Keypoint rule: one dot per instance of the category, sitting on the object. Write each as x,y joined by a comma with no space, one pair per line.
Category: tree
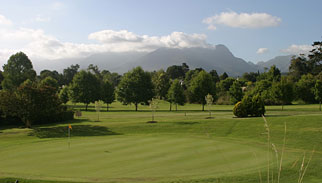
18,69
175,72
282,91
318,92
161,84
274,74
63,94
209,100
135,87
176,94
252,76
54,74
298,67
202,85
225,84
49,81
315,58
305,88
107,93
214,75
69,73
85,88
224,76
1,79
154,105
236,92
31,103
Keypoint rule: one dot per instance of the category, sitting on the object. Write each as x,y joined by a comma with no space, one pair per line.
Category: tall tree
298,67
214,75
161,84
1,79
201,86
107,93
175,72
18,69
283,91
69,73
236,92
135,87
318,92
176,94
85,88
305,88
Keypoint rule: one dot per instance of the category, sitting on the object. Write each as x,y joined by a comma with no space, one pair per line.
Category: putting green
134,158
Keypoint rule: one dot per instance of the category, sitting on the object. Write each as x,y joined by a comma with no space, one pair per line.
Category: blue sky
252,30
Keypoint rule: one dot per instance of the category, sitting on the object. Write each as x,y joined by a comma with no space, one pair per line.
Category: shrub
250,105
240,110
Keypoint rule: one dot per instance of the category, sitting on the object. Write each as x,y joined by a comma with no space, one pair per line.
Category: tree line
178,84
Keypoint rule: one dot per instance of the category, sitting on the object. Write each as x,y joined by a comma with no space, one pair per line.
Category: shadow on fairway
77,130
186,123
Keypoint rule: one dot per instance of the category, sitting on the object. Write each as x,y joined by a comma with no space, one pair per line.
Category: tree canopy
135,87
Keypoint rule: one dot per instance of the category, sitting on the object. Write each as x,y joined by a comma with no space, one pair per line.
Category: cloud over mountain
242,20
298,49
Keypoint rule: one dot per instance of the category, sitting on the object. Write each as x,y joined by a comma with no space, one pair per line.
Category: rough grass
182,147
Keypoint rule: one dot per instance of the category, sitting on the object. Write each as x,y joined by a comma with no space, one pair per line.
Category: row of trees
177,85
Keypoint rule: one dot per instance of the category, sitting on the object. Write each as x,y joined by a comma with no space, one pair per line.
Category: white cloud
242,20
262,50
41,46
298,49
4,21
57,6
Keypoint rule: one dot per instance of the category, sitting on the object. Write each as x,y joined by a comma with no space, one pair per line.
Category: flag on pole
70,126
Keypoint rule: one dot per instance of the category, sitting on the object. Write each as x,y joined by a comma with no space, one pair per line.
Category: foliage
283,91
176,93
239,110
252,76
235,92
18,69
107,93
201,85
250,105
54,74
177,71
209,100
161,84
223,76
318,91
32,104
85,88
305,88
225,84
135,87
214,75
49,81
64,94
69,73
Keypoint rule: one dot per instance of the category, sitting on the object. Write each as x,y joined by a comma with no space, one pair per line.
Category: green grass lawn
183,146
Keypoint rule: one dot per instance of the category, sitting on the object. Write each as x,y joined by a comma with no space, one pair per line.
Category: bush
250,105
239,110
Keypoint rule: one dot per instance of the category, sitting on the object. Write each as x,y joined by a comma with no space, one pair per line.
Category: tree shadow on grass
77,131
186,123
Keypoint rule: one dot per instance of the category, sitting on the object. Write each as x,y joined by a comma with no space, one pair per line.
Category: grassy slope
182,147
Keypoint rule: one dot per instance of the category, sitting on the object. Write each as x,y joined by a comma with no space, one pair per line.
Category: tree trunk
282,106
176,107
136,106
28,124
170,106
106,107
86,107
203,107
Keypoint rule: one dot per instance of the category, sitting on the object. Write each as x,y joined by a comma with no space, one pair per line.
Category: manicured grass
183,146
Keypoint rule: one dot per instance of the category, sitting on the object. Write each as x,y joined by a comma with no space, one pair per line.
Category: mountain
281,62
218,58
